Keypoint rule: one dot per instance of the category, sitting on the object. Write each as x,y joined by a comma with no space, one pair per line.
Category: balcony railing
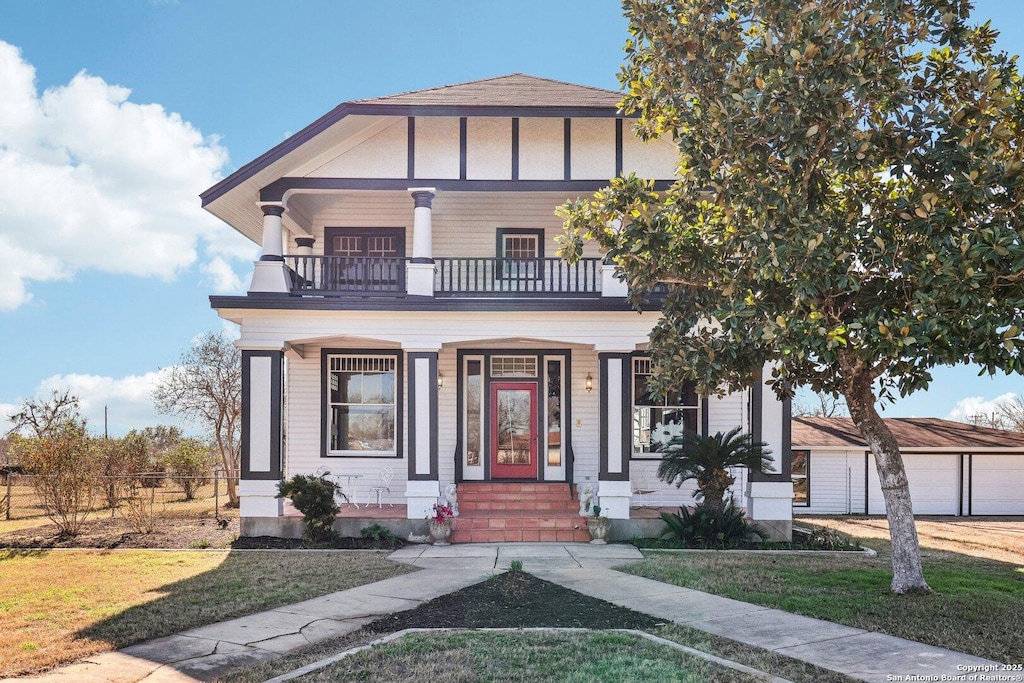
359,275
347,274
531,276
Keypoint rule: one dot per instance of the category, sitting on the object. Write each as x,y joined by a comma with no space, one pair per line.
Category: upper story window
361,405
520,250
375,242
367,259
656,422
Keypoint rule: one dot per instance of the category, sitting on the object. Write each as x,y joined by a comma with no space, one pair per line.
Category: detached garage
953,468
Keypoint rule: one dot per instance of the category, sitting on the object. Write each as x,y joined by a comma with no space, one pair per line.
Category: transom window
513,366
656,422
361,404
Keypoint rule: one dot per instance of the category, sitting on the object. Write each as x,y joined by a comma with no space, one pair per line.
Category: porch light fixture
589,383
440,381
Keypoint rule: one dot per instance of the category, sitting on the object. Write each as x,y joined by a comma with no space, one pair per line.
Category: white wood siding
488,148
542,149
303,435
384,155
933,484
998,485
437,147
836,484
655,160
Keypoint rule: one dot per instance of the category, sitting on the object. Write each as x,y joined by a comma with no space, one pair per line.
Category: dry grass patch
992,538
57,606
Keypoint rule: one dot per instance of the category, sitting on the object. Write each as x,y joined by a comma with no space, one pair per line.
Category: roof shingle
910,432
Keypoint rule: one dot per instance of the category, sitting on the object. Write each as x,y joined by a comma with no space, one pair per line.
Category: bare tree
823,405
206,387
43,417
1010,413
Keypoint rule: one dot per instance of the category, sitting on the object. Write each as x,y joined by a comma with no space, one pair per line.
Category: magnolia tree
847,206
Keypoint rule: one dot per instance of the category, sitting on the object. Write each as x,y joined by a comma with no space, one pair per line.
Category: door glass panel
513,422
474,424
554,399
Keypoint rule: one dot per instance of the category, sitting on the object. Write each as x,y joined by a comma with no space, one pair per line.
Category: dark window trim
324,413
806,475
499,251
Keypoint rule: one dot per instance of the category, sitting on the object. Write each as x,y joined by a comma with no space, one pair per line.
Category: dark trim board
275,191
345,109
515,148
410,164
567,149
276,426
463,147
618,147
626,428
399,391
411,359
426,303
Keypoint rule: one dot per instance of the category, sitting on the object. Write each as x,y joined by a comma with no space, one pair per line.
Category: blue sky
101,300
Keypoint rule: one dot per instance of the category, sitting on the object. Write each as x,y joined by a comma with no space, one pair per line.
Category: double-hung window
657,421
520,253
361,405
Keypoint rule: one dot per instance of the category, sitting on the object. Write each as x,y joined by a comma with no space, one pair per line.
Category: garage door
933,484
998,485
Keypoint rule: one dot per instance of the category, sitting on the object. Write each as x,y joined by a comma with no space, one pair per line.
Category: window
554,413
656,422
364,258
474,412
513,366
361,405
520,252
800,468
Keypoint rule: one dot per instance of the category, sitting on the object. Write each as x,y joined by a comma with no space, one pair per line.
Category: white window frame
806,476
641,366
390,363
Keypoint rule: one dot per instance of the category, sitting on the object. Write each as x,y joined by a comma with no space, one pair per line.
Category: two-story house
408,311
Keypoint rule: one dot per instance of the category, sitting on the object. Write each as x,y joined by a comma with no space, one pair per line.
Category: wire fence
165,496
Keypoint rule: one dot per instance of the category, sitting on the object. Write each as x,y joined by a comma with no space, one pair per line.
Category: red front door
513,430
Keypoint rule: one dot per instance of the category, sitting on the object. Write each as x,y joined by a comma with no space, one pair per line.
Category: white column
270,273
420,280
304,246
611,285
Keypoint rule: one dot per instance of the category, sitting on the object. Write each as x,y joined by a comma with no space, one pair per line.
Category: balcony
453,277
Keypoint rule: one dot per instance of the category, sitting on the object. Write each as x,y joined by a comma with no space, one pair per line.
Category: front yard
976,607
59,605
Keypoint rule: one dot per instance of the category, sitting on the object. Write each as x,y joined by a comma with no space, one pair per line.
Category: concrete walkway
207,652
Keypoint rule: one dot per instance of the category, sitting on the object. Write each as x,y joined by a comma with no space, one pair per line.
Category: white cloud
91,180
977,405
222,276
128,400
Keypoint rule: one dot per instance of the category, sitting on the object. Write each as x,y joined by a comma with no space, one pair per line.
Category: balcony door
365,259
514,430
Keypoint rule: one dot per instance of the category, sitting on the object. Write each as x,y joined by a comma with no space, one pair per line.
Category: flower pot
440,531
598,528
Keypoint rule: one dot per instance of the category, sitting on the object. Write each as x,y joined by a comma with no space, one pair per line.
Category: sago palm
708,459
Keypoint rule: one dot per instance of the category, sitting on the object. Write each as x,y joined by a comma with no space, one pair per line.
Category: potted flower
598,526
441,524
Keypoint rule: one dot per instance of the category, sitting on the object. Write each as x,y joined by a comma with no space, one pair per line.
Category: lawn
60,605
526,658
520,600
976,607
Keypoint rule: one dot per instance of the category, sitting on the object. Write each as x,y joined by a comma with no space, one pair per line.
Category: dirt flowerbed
115,532
275,543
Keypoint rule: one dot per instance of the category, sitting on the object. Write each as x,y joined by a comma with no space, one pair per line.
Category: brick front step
518,512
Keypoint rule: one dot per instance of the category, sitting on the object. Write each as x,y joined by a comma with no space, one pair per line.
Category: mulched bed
108,533
275,543
514,600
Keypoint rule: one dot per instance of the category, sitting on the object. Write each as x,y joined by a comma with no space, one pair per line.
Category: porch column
614,492
611,285
769,497
304,246
262,391
270,274
420,280
422,489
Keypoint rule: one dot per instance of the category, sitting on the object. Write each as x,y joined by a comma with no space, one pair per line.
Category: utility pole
106,433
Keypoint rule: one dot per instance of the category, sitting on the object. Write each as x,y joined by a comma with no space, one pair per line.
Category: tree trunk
907,574
231,474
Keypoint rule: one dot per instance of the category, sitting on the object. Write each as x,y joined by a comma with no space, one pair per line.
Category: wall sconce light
440,381
589,383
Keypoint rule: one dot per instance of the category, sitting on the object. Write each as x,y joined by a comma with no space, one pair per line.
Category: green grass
57,606
526,658
976,607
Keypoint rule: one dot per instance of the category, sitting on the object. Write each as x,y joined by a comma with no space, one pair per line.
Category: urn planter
440,531
598,528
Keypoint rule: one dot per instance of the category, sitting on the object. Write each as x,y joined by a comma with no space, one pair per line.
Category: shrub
314,497
122,459
381,535
827,539
139,508
709,527
66,469
189,462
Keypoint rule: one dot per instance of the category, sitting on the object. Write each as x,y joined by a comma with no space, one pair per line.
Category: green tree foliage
122,460
189,462
847,207
313,496
707,460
